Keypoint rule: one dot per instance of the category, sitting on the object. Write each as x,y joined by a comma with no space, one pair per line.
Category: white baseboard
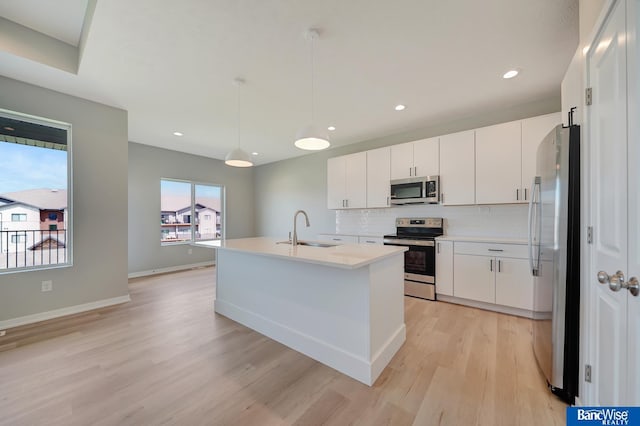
56,313
330,355
488,306
170,269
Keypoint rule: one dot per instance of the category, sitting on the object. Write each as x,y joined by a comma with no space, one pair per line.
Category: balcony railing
26,248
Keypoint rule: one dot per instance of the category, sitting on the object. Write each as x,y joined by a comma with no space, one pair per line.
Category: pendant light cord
238,112
312,81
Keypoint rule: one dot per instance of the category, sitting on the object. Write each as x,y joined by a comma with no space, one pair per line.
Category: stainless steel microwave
416,190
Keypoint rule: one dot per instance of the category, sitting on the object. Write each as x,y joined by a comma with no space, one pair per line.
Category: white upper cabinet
378,177
533,131
402,161
347,181
418,158
498,164
457,168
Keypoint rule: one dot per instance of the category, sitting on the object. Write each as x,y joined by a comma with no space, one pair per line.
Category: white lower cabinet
475,278
338,238
444,267
494,274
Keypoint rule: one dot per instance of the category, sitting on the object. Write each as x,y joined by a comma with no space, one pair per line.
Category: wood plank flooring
167,358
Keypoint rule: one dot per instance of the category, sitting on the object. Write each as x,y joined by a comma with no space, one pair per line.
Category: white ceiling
171,65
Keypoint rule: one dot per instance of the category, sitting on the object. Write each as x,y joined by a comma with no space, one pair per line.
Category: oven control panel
419,222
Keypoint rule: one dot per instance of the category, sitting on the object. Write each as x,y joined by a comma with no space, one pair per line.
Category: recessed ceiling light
331,128
510,74
400,107
177,133
254,153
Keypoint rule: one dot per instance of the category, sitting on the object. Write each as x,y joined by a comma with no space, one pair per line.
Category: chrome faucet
294,242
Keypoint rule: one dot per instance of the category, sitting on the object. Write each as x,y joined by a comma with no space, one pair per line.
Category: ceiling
171,64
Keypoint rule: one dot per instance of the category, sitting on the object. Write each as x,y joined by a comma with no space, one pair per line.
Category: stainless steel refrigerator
554,257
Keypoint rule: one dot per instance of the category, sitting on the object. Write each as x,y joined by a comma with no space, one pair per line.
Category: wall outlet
190,251
47,285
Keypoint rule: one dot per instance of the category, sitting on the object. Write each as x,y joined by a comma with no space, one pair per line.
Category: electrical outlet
190,251
47,285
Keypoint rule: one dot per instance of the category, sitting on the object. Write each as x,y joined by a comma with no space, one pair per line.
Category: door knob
632,286
615,281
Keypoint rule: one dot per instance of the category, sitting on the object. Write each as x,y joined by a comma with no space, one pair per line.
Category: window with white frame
186,208
35,188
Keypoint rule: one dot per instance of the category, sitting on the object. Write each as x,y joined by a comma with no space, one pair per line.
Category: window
35,188
182,203
18,237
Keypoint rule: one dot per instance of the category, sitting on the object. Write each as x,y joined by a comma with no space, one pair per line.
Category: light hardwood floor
167,358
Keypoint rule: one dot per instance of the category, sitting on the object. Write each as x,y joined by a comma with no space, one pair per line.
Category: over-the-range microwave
415,190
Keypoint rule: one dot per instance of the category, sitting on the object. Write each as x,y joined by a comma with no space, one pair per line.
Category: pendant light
238,157
310,137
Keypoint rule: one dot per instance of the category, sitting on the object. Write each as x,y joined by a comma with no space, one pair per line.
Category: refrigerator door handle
532,267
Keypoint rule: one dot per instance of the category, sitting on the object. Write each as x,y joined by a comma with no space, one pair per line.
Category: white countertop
347,256
483,239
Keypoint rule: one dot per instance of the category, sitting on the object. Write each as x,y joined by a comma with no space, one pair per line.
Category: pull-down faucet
294,241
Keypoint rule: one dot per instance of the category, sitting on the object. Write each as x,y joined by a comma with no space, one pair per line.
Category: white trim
488,306
56,313
578,402
170,269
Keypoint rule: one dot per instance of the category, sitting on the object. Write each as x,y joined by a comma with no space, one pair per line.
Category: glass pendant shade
311,138
238,158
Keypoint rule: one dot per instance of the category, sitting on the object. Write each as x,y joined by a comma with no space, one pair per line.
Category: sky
29,167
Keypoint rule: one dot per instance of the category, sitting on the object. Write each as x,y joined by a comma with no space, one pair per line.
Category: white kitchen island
342,306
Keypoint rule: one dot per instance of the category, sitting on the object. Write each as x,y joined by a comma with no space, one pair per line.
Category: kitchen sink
309,243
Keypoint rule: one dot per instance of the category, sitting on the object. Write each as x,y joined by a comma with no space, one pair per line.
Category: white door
457,168
426,157
633,155
498,168
607,118
402,161
378,176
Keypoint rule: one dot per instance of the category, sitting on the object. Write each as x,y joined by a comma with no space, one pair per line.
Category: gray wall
99,198
301,183
147,165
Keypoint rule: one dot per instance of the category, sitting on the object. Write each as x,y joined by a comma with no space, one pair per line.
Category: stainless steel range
418,234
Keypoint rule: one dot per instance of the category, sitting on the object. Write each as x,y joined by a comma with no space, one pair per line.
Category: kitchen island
341,305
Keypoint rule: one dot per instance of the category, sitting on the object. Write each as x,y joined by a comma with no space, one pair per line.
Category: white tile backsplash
503,221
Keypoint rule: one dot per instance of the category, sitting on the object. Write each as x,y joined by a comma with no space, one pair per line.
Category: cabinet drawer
370,240
337,238
488,249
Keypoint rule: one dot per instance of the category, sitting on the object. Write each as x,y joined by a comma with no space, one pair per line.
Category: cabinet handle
525,194
337,239
370,242
517,194
442,197
438,248
415,171
495,250
410,171
499,265
388,202
491,265
346,202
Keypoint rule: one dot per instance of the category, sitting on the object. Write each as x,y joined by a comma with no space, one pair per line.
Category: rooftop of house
43,198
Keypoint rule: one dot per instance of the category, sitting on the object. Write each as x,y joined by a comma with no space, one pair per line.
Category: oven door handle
408,243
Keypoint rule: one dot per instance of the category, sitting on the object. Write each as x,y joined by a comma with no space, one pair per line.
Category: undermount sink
309,243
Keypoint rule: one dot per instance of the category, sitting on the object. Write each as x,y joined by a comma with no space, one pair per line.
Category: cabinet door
402,161
457,168
336,186
475,277
426,157
498,168
533,131
514,283
444,267
356,180
378,177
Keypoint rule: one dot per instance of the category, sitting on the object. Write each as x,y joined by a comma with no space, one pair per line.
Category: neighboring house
176,223
34,219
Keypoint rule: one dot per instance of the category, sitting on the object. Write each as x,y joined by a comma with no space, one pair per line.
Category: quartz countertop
499,240
346,256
